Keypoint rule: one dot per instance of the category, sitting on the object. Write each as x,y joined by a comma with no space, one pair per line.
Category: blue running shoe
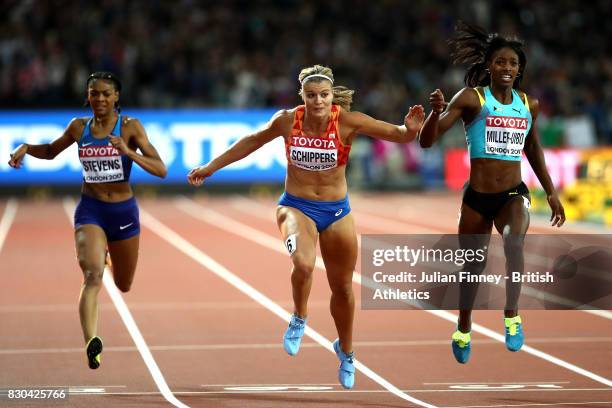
514,333
293,335
462,345
346,371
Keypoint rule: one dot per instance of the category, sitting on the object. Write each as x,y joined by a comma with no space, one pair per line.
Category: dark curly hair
474,46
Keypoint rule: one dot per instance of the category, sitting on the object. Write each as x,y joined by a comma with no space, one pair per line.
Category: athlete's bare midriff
323,185
108,192
327,185
493,175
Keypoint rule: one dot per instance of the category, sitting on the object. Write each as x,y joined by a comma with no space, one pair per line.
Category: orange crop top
316,153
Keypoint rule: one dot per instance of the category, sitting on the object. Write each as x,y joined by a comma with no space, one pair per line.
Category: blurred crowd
247,54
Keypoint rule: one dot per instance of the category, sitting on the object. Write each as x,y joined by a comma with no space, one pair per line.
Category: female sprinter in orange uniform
315,206
492,107
107,215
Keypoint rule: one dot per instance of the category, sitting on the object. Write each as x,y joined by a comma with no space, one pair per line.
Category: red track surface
206,336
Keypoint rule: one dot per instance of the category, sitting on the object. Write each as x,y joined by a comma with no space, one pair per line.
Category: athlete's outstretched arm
149,160
535,156
360,123
241,149
48,151
443,115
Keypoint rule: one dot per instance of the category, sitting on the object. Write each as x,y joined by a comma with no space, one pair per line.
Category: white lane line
154,306
253,208
272,385
244,231
175,306
289,390
206,261
10,210
4,387
499,382
533,404
281,388
263,346
130,324
606,314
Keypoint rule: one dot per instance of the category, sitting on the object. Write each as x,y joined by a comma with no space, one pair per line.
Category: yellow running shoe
514,333
462,346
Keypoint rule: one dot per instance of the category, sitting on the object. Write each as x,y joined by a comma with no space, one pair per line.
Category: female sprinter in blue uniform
315,206
492,107
107,215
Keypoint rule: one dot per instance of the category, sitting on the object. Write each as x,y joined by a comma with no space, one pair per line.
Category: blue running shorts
118,220
323,213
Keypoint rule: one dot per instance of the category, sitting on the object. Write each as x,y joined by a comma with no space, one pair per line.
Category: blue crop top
102,163
499,131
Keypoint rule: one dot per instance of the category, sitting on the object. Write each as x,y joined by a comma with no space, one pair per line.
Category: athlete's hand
415,118
119,144
437,102
558,213
17,156
197,175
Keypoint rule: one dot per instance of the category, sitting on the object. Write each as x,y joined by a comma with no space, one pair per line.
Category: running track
209,299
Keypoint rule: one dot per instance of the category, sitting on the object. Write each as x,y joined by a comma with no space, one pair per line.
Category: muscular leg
471,222
512,222
292,221
91,248
124,256
339,249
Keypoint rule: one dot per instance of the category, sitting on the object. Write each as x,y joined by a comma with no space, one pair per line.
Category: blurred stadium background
200,74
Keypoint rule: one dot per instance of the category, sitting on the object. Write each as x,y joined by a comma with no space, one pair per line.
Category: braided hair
474,46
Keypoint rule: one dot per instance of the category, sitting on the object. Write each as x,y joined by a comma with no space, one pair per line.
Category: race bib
101,164
505,136
313,154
